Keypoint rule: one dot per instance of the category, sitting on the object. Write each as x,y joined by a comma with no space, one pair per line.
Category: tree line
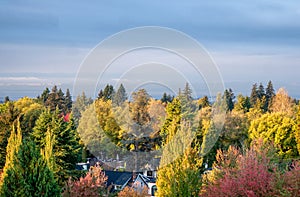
42,139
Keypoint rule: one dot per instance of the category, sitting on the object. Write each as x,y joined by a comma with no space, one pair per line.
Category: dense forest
234,145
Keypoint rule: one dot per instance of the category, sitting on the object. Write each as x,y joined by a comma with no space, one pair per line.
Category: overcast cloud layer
43,43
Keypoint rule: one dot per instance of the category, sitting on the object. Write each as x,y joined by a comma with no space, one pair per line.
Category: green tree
44,96
229,97
68,102
261,91
120,97
29,174
166,98
254,95
270,93
66,146
107,94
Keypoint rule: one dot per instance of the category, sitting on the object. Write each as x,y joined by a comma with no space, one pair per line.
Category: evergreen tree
68,102
100,94
8,116
120,96
29,174
44,96
260,91
6,99
270,93
229,97
187,92
254,95
14,141
55,99
66,145
166,98
107,94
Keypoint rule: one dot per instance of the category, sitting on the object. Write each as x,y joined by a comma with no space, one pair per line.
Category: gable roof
117,178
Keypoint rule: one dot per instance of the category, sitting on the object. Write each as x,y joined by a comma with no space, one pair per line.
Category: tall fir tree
29,174
107,94
44,96
253,95
229,99
270,93
66,147
260,91
68,102
120,96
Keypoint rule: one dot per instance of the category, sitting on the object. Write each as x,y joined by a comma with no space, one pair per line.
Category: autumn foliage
131,192
93,184
253,174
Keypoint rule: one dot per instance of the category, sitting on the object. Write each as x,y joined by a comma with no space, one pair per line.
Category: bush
93,184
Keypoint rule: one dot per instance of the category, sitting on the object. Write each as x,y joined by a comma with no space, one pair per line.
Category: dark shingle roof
117,178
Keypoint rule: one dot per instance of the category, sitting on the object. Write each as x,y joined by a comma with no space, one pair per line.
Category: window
149,173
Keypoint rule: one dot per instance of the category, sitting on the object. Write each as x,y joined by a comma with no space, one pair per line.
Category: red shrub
90,185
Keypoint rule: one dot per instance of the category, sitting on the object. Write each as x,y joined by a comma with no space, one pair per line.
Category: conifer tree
254,95
29,174
14,142
8,116
261,91
68,102
107,94
270,93
229,97
66,144
120,96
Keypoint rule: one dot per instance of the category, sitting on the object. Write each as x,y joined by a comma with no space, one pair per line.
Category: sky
43,43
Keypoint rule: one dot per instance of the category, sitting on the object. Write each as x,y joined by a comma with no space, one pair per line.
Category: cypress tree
29,174
14,141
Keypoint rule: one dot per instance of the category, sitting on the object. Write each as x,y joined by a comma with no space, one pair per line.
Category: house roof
117,178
